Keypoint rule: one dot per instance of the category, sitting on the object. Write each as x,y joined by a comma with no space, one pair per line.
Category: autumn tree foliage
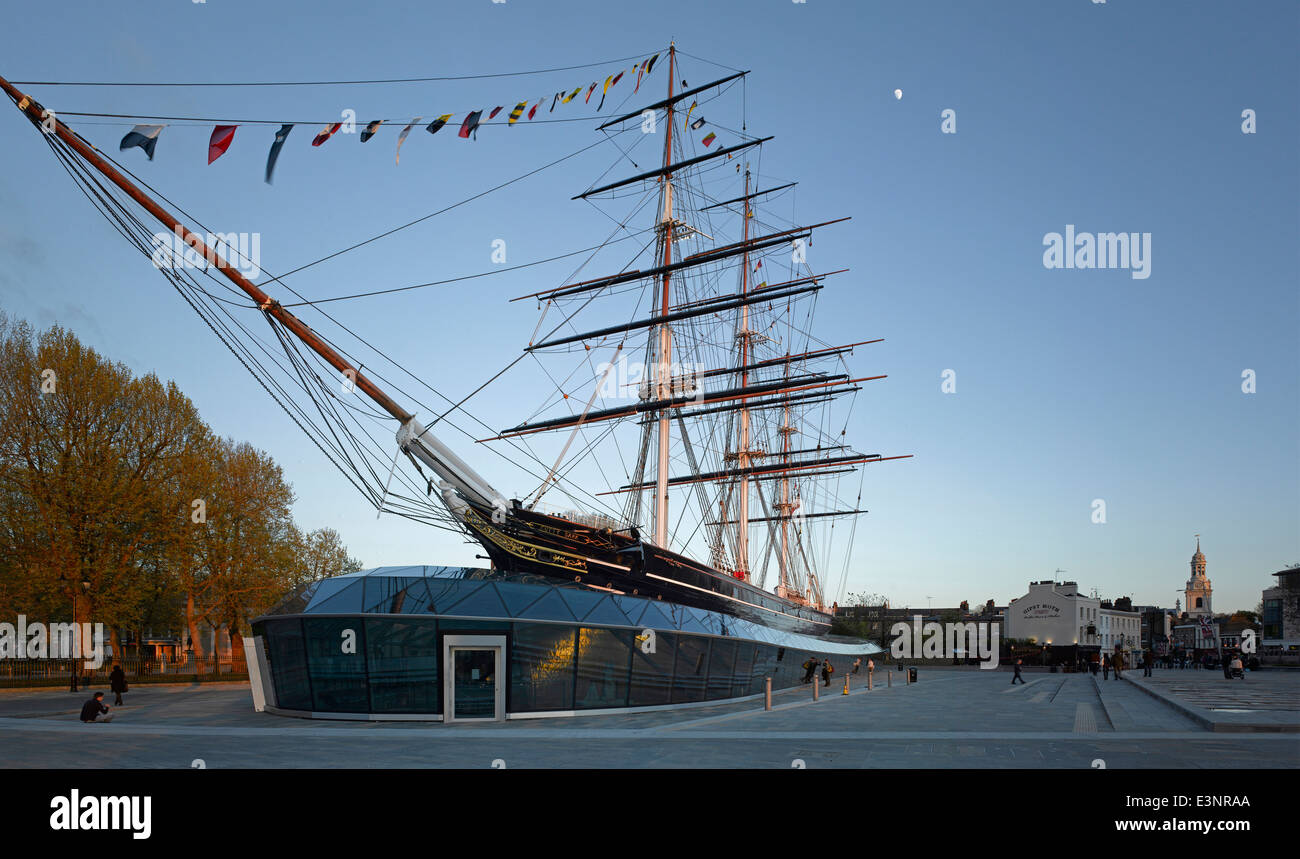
113,487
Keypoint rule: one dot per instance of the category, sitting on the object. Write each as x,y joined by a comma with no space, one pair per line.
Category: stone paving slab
1262,701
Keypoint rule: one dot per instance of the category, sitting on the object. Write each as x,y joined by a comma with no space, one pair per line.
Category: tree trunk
192,624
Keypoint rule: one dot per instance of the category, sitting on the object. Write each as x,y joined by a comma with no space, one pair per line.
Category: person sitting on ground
95,710
1238,668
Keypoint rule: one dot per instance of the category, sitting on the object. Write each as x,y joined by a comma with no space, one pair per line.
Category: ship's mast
663,375
742,453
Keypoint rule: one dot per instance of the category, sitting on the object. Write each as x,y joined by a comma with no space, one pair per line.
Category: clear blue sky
1072,385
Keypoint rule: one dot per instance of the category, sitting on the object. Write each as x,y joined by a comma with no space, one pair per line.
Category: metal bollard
767,694
889,679
816,685
868,682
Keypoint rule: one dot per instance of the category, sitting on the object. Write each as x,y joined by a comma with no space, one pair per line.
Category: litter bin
911,675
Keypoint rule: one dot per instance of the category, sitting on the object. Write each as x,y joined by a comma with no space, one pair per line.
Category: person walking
809,668
1017,676
95,710
827,671
1146,663
857,663
1119,664
117,683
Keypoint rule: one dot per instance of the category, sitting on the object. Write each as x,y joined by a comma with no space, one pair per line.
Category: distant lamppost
76,631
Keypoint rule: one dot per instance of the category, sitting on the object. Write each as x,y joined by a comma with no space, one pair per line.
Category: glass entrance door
474,684
474,679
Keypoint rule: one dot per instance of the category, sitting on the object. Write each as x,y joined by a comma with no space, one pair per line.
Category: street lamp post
76,632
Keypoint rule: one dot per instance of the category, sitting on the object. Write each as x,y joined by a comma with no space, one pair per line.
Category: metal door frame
450,643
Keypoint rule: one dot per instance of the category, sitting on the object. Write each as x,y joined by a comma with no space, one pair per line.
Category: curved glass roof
469,592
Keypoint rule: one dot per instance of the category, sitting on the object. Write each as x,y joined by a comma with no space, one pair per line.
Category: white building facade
1057,614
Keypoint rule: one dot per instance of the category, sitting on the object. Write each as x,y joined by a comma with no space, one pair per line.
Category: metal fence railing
54,672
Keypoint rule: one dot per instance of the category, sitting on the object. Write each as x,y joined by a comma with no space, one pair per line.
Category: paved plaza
952,718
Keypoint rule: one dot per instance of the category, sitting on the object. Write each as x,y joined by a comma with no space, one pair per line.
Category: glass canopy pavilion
458,643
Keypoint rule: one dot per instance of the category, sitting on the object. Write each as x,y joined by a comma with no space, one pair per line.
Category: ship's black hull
522,541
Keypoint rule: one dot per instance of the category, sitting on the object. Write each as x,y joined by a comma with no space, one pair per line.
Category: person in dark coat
827,671
117,683
1017,674
810,668
1105,667
95,710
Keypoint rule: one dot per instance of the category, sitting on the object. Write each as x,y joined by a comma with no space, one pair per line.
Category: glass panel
337,662
541,667
393,595
288,655
603,665
580,602
550,607
656,617
474,683
691,668
607,612
403,660
652,673
632,607
519,597
483,602
722,660
764,666
337,596
744,665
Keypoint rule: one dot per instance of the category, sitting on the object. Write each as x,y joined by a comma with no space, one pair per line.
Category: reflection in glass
602,668
744,665
403,660
652,673
541,667
337,661
722,659
692,668
288,656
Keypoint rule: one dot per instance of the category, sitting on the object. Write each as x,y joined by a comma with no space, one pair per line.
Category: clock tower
1198,586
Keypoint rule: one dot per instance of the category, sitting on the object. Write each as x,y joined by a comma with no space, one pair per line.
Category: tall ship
694,366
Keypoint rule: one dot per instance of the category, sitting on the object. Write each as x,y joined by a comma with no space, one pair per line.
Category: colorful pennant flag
533,112
433,127
697,124
493,114
401,138
370,129
516,113
222,137
571,96
650,66
694,104
587,100
144,136
639,72
553,101
709,138
326,133
280,137
605,91
470,125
